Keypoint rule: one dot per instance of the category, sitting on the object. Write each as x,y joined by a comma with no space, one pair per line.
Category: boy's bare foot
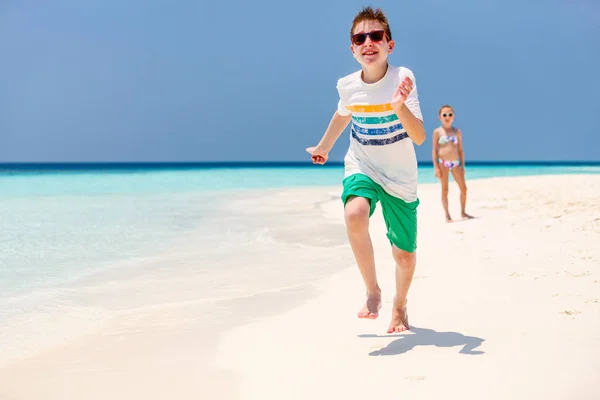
466,216
399,319
371,308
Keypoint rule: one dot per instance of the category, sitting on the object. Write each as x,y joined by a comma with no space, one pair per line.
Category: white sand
506,306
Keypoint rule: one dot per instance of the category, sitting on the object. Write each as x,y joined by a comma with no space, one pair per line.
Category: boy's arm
413,125
339,121
320,152
405,103
336,126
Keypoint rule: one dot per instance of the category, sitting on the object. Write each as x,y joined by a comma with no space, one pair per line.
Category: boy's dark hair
369,14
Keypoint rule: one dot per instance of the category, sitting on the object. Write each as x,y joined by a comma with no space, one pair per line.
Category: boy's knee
356,213
404,259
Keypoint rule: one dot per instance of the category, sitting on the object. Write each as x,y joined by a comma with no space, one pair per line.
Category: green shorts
400,217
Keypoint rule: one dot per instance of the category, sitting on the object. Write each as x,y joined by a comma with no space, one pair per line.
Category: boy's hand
319,156
402,92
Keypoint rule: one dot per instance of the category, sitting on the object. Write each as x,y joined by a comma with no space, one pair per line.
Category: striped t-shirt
379,145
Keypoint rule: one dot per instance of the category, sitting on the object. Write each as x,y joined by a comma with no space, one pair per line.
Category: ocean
82,243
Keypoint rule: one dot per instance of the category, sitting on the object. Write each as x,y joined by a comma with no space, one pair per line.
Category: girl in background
448,157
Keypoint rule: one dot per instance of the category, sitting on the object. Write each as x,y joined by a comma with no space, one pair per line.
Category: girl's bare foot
371,308
448,218
466,216
399,319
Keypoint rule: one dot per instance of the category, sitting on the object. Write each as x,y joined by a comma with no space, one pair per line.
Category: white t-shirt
379,145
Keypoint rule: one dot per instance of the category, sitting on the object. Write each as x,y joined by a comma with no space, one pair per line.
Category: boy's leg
405,269
360,197
401,221
356,215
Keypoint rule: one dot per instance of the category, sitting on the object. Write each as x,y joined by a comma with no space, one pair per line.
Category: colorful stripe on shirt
365,125
367,108
377,131
376,120
379,142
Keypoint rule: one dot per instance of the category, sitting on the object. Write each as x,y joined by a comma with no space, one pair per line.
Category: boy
380,165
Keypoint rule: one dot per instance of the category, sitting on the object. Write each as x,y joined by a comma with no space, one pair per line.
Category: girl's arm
434,152
461,152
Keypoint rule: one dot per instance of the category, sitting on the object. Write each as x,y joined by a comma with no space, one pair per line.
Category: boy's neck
375,73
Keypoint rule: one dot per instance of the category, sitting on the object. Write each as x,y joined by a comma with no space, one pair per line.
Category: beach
503,306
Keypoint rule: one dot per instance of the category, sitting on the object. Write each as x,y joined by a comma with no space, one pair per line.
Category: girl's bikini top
448,139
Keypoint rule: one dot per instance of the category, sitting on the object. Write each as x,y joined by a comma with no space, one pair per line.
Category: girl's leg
444,179
459,176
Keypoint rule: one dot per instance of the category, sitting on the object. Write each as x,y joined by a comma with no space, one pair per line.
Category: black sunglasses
360,38
447,115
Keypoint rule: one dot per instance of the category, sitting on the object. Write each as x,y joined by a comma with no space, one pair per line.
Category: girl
448,156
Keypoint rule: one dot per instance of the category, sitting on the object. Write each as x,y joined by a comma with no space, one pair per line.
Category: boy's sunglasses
447,115
360,38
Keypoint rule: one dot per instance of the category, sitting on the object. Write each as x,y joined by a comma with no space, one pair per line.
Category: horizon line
258,164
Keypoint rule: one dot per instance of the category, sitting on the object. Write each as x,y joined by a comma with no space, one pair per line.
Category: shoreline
290,325
138,330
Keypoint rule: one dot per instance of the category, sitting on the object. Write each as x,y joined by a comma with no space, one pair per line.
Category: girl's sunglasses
447,115
360,38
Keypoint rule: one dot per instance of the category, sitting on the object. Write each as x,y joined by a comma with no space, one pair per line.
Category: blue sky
149,80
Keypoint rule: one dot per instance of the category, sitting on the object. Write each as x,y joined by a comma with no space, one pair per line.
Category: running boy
381,101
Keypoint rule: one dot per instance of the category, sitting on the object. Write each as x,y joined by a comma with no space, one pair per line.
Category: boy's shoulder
355,77
349,80
405,71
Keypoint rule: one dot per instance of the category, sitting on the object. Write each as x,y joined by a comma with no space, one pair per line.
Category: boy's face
370,51
447,115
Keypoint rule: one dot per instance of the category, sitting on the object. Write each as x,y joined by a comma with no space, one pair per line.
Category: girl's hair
445,106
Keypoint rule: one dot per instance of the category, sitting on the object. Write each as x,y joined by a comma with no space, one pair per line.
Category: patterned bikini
448,139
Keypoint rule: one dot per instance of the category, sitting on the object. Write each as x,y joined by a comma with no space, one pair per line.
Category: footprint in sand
568,312
592,301
577,275
415,378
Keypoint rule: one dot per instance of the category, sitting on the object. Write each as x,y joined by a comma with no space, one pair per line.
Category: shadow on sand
455,221
426,337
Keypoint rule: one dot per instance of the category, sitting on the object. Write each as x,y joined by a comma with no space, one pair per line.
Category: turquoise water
61,224
60,183
77,246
